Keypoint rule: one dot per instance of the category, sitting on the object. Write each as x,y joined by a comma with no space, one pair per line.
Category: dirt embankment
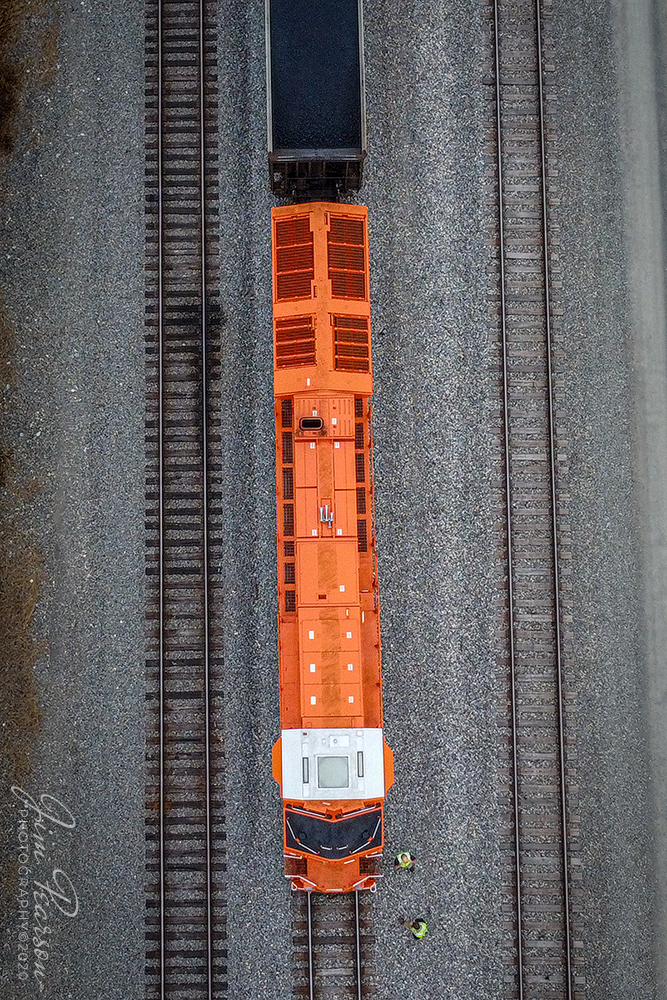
28,62
20,577
28,37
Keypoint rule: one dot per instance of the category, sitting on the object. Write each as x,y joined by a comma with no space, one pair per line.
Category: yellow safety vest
401,859
422,931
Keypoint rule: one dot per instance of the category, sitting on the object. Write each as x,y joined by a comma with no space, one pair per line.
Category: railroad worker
405,860
418,927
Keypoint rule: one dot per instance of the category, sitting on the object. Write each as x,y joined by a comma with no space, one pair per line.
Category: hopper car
315,97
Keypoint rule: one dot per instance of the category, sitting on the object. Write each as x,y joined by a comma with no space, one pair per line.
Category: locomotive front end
333,844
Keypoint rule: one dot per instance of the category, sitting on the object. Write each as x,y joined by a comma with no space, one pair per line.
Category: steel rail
508,499
554,515
311,970
553,500
161,613
205,581
357,925
161,487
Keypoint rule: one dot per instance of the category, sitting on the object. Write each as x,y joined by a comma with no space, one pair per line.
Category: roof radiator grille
295,341
352,343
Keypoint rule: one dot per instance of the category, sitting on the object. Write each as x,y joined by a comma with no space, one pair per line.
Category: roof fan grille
346,248
295,263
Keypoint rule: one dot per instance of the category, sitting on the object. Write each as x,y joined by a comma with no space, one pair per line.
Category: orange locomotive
331,761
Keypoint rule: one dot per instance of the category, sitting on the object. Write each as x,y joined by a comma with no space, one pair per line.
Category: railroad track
185,818
543,925
332,945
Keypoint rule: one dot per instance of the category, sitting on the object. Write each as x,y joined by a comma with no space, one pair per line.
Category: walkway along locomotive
331,761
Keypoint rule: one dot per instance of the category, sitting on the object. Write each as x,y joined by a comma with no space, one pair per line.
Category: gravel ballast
71,279
71,276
